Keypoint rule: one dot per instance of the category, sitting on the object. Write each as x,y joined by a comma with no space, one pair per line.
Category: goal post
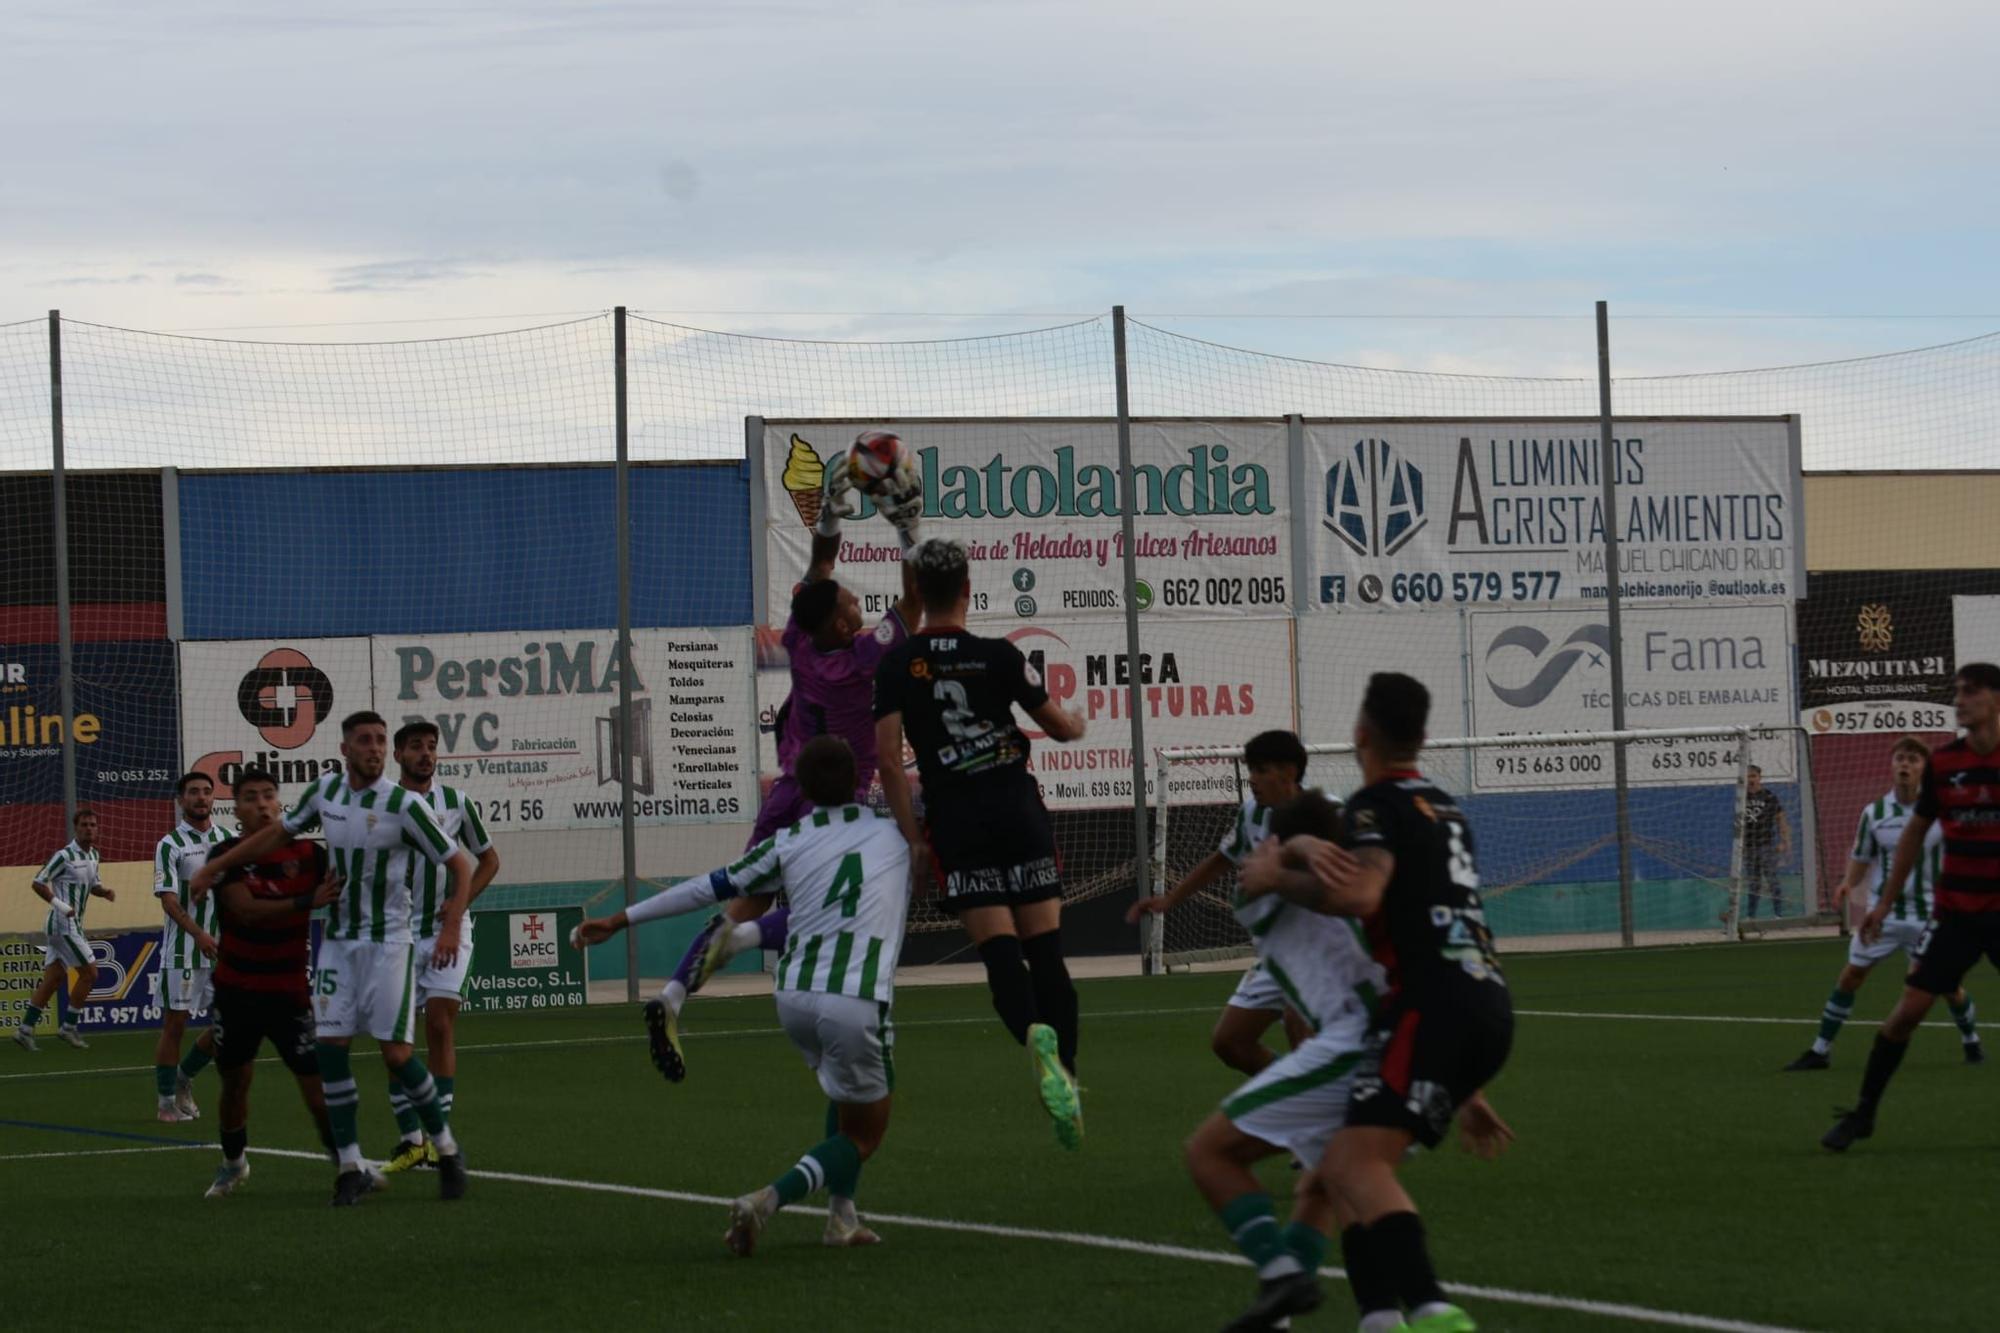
1709,861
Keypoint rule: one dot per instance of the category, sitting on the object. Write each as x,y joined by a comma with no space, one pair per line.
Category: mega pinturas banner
529,723
1038,505
1469,512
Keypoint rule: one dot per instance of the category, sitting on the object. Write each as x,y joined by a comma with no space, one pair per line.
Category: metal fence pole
65,640
1612,575
1141,845
628,833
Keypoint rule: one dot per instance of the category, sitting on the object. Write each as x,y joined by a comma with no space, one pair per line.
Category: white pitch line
1805,1021
102,1152
1152,1249
697,1035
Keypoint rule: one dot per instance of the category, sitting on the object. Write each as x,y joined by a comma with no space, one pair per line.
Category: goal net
1715,849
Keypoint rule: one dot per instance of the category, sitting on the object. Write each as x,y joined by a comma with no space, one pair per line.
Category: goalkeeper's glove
904,509
836,500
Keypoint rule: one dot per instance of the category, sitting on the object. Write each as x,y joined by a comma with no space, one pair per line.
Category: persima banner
1541,671
529,722
270,703
1037,504
1418,513
1202,682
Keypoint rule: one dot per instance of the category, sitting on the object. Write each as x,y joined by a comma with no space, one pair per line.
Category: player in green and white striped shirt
1909,916
845,872
67,882
365,977
440,986
187,946
1275,762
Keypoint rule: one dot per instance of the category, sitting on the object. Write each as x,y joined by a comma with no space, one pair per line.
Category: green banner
524,960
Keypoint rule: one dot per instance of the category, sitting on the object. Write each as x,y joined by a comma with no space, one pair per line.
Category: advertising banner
1544,671
1470,512
1875,651
1037,504
529,722
20,973
1202,682
270,703
1337,654
524,960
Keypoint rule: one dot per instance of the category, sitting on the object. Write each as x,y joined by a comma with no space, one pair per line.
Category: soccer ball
877,459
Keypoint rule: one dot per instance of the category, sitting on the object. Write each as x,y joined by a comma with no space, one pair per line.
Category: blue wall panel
459,551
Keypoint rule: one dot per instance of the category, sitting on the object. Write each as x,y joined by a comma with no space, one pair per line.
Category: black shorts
1423,1063
1952,942
994,846
243,1019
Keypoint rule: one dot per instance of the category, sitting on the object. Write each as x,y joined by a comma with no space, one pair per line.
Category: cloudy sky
925,169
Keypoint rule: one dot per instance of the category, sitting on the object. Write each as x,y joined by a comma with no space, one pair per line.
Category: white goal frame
1152,938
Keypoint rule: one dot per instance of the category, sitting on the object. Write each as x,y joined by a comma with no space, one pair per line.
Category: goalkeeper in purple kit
833,661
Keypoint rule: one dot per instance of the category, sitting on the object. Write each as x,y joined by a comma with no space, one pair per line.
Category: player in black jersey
1447,1021
261,985
952,694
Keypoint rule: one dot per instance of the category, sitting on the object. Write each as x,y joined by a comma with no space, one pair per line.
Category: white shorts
66,944
1904,935
849,1043
187,990
1257,991
364,986
1298,1100
446,983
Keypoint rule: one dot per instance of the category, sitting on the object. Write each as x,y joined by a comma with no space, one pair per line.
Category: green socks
1306,1245
1253,1225
407,1124
445,1083
195,1061
1967,1019
163,1080
1839,1007
834,1166
343,1103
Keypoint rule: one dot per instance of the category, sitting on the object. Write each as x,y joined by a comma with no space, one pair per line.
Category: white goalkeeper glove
836,500
902,500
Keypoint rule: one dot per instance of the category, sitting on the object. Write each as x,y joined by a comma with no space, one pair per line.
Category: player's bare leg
1238,1039
854,1132
45,992
1220,1158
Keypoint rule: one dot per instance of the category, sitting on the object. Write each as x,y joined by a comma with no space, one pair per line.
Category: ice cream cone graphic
803,476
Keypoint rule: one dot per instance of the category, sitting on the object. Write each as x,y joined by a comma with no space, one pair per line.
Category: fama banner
524,960
1038,505
530,723
1541,672
1422,513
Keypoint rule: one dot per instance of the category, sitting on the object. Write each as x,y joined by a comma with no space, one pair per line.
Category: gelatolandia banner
1470,512
1038,505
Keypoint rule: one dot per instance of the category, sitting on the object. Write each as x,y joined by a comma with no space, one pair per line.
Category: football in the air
876,458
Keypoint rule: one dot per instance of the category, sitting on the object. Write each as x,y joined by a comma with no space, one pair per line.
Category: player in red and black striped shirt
1961,790
261,986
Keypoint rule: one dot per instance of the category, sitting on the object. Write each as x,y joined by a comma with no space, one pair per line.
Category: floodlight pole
628,833
1612,574
65,631
1142,877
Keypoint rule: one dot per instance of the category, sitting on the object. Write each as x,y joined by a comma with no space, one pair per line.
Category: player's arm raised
754,873
242,852
1210,868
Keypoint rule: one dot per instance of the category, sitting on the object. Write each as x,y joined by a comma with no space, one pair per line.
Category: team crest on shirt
1032,676
371,823
920,668
885,633
1424,808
